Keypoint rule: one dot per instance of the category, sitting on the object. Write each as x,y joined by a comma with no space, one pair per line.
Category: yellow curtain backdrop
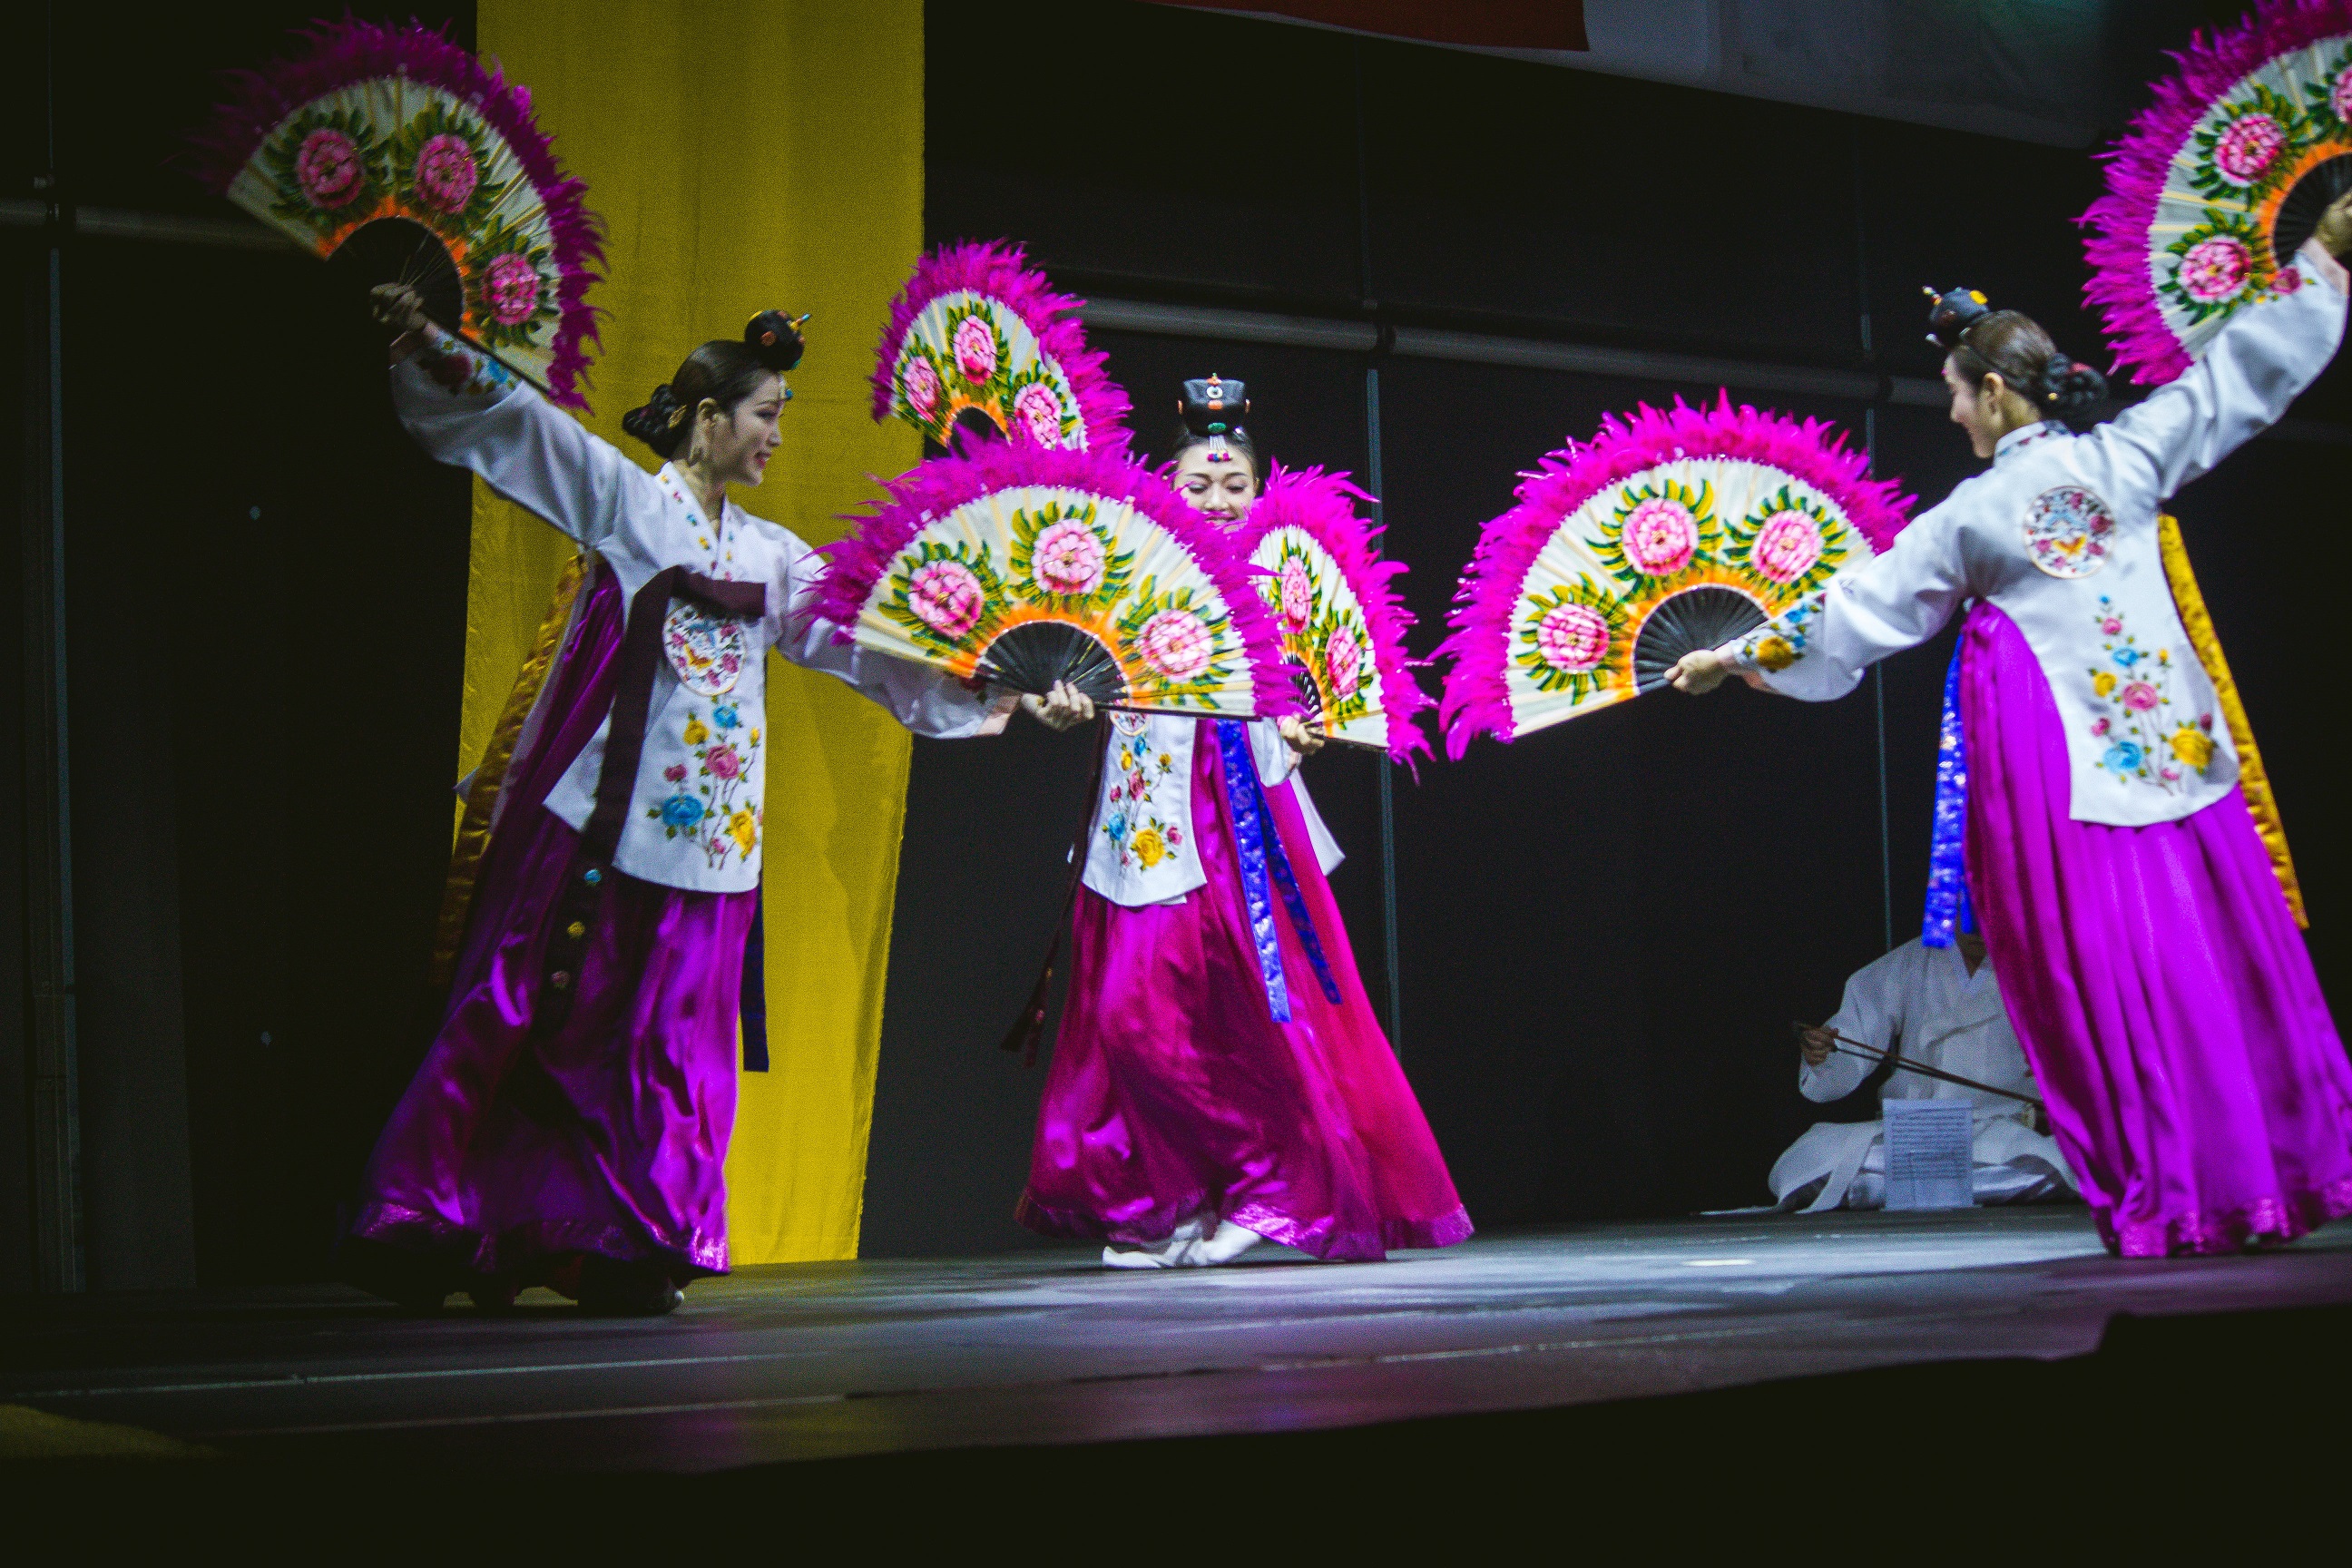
745,156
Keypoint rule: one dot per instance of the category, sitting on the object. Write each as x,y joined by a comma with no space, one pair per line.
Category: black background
1604,927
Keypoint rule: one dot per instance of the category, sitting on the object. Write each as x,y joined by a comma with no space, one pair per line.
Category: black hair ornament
1951,313
1214,406
776,339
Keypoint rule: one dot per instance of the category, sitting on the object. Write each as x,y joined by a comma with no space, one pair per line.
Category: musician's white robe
1922,1001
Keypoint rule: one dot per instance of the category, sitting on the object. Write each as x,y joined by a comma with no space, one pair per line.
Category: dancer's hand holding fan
1336,607
1035,567
396,148
976,328
1669,532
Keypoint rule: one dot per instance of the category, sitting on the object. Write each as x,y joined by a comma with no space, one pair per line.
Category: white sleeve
1872,1013
1275,760
926,700
2254,367
529,451
1818,650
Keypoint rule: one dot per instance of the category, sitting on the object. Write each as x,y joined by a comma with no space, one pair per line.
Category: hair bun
655,424
2069,387
776,339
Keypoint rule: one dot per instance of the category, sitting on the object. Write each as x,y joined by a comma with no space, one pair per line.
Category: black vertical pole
49,864
1870,454
1389,946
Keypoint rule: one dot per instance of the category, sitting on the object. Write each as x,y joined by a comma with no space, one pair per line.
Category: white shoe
1180,1251
1230,1242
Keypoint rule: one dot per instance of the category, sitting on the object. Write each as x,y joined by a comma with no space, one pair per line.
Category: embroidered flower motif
1572,637
1660,536
1069,559
920,384
327,167
2101,726
2193,747
2247,147
679,811
1039,410
706,651
446,172
1150,847
1343,657
723,715
744,828
1176,644
975,350
675,772
1774,653
1787,546
2124,756
2136,728
724,761
2215,269
2139,697
2288,280
1298,596
2068,530
2112,627
2125,657
2103,682
696,731
511,285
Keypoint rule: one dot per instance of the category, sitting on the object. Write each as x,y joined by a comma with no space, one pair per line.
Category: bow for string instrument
1854,1048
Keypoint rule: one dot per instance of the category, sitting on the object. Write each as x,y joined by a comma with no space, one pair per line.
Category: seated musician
1938,1008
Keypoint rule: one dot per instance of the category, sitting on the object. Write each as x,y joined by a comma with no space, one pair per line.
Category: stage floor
827,1360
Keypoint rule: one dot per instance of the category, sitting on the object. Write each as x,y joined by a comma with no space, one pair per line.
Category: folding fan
1025,565
397,147
1341,623
2219,183
1668,532
977,328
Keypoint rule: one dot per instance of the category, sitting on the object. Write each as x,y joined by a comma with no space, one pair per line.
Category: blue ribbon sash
1266,868
1949,911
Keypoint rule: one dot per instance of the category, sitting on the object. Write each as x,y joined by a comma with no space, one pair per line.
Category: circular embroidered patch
2068,530
1127,723
707,650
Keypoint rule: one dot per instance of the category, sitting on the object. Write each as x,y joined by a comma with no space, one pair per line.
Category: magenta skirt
1173,1089
514,1155
2158,984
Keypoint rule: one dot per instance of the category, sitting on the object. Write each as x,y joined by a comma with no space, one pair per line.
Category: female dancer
2153,968
1214,1085
570,1124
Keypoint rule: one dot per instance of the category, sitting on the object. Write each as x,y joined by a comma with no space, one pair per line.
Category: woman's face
736,445
1225,491
1986,413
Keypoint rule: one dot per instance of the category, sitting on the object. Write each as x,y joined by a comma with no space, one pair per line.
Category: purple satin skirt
2158,984
1173,1089
514,1155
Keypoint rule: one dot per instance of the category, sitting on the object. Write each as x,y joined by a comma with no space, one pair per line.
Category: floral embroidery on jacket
462,373
2132,693
1781,642
1128,819
2068,531
717,809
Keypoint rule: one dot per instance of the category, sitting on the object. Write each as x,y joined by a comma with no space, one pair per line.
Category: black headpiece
1213,407
776,339
1952,313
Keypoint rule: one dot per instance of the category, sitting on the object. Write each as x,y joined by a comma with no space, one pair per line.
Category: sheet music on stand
1930,1153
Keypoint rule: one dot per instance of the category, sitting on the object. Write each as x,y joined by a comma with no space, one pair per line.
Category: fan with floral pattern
2219,183
396,144
978,328
1342,624
1669,531
1025,565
